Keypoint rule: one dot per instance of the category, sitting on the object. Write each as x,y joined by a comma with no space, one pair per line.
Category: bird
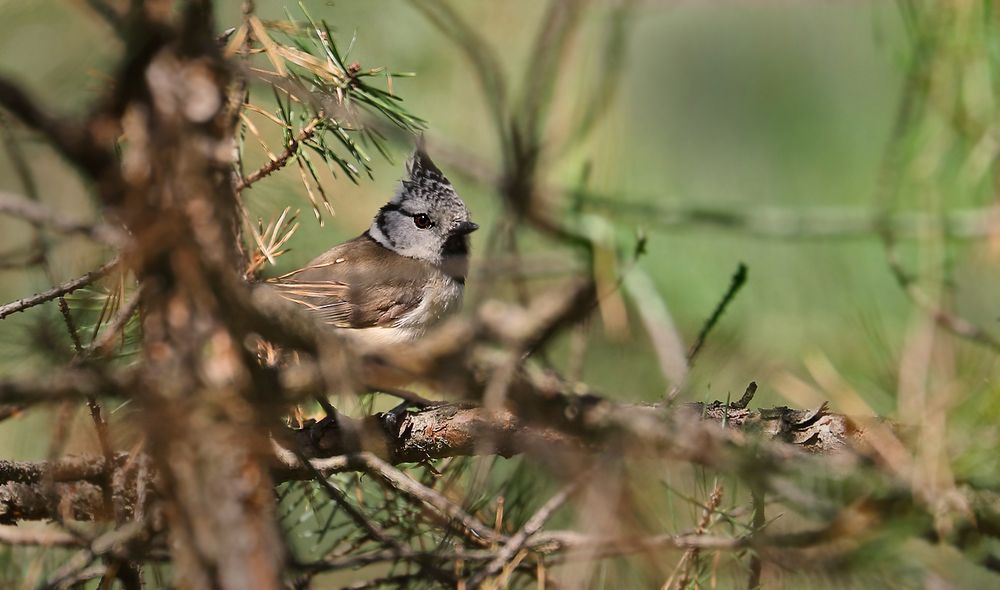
403,275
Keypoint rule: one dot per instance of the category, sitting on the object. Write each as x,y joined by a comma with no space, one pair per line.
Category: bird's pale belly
372,338
442,297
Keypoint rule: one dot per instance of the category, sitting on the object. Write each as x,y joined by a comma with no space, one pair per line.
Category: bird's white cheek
376,233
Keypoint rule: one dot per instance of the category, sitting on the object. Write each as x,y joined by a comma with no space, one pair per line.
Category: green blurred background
724,106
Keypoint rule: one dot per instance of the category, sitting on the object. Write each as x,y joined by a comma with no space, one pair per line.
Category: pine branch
59,290
282,159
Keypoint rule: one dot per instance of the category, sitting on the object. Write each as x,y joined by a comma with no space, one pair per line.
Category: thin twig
690,557
518,541
759,520
100,424
559,546
736,283
110,544
74,334
34,212
282,159
39,217
948,320
744,401
777,223
58,291
37,213
448,510
375,532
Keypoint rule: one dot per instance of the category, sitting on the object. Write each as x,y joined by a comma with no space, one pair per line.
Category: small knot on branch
747,397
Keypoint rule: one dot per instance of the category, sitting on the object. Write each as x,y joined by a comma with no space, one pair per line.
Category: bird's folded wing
328,301
356,287
343,306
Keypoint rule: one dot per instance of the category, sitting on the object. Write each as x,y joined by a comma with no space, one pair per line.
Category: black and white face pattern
426,220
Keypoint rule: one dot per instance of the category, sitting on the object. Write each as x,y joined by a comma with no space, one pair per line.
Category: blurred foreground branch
38,214
814,223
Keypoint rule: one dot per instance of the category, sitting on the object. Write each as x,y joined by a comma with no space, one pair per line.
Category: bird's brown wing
358,284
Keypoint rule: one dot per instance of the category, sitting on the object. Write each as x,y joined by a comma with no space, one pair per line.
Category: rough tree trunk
206,432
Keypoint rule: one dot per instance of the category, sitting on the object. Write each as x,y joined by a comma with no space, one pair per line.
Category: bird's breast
442,296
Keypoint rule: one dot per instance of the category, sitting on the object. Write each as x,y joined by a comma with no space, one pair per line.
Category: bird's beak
463,228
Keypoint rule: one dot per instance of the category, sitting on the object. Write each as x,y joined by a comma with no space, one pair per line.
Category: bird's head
426,219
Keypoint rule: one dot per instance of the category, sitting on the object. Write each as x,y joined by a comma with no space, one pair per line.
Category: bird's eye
422,221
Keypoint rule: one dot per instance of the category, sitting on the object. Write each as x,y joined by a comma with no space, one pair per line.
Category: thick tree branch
445,430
